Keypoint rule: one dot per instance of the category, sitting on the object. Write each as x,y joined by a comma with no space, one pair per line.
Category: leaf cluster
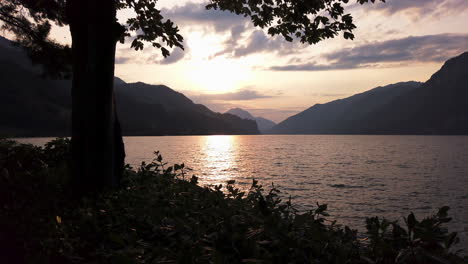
425,241
305,20
150,26
30,22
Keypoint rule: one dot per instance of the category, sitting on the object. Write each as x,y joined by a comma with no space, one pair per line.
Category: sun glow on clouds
214,75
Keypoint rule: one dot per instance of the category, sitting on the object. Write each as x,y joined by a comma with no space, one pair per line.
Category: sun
218,75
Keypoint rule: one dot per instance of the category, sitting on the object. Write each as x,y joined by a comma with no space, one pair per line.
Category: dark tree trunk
97,146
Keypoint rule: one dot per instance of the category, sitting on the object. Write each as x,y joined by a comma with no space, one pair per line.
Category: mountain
263,124
438,106
435,107
342,116
33,106
158,110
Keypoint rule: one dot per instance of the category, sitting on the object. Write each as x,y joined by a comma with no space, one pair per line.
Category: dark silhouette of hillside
263,124
437,106
33,106
342,116
158,110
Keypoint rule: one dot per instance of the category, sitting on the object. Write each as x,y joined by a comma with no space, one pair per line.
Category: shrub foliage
159,216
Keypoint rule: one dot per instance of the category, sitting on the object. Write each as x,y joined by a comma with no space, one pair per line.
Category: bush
157,216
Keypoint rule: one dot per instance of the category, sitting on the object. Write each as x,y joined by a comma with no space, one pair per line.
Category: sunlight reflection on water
219,154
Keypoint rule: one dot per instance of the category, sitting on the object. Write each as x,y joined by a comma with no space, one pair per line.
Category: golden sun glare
214,74
218,75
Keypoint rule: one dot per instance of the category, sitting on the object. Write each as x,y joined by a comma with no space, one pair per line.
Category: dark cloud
122,60
242,95
430,48
176,55
196,14
257,42
421,7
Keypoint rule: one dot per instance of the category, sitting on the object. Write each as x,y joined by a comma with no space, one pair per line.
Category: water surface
357,176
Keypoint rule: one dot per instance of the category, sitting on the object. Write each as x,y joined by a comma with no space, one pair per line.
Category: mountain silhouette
437,106
158,110
263,124
34,106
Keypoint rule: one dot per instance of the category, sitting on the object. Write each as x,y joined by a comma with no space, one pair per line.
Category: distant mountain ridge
263,124
437,106
33,106
158,110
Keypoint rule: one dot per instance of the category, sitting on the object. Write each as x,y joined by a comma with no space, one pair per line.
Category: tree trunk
97,146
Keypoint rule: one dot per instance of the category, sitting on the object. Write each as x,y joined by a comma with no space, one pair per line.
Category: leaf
451,239
443,211
117,239
252,261
121,259
165,52
411,221
348,35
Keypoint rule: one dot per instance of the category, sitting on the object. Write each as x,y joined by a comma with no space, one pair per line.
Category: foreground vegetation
158,216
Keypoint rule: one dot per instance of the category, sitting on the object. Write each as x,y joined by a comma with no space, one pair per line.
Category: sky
228,63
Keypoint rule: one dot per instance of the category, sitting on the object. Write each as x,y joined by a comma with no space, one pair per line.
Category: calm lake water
357,176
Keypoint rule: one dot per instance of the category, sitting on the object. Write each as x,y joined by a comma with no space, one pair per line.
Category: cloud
256,42
330,94
413,49
196,14
236,45
241,95
150,56
122,60
421,7
176,55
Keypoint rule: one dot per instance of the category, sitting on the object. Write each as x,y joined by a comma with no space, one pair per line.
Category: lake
357,176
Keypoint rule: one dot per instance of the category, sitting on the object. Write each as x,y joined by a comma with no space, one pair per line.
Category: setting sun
218,75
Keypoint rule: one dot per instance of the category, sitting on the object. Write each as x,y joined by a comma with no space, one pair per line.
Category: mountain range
33,106
263,124
437,106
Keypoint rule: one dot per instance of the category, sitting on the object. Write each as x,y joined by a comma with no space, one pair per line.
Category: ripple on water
345,186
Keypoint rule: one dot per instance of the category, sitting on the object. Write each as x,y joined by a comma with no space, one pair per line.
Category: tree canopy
302,20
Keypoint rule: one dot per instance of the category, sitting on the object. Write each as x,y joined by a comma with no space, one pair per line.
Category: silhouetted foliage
305,20
160,215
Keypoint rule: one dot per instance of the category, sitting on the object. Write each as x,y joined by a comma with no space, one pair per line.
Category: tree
97,146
